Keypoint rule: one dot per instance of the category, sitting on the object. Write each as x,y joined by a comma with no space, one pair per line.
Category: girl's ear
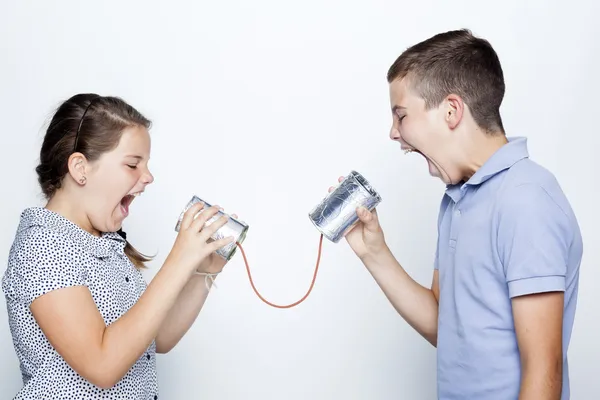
78,168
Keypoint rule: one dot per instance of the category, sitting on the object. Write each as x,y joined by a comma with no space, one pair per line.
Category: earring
82,180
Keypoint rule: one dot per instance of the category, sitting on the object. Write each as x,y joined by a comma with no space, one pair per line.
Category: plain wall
259,106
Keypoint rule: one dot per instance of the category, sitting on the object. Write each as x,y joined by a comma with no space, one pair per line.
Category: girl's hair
92,125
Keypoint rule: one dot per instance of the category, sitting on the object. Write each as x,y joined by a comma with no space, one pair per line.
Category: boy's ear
455,108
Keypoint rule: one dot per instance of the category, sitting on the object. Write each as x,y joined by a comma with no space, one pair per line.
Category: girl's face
115,179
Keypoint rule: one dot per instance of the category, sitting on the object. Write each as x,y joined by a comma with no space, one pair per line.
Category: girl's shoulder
36,237
41,258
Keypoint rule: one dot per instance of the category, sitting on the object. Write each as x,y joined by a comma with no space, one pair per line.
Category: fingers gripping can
336,214
233,227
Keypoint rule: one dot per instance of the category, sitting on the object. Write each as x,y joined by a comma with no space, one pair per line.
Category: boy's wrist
377,256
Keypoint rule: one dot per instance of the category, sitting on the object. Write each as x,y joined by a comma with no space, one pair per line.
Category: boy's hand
366,237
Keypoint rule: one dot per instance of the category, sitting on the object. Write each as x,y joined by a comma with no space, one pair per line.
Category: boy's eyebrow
396,108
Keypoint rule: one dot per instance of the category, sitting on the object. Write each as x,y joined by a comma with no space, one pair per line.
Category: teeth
407,151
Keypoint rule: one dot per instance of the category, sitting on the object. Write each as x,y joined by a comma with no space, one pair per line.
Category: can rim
365,184
240,240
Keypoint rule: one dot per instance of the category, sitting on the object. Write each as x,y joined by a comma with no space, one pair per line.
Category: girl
84,323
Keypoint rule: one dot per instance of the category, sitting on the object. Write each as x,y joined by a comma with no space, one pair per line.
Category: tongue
125,204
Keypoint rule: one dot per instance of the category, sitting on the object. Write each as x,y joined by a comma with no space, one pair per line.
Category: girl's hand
194,244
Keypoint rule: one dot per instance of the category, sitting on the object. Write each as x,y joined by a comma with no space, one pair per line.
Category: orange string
297,302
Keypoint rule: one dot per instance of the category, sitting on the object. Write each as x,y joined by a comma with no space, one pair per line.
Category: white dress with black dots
50,252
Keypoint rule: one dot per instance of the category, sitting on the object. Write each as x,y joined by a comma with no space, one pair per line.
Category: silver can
233,227
336,214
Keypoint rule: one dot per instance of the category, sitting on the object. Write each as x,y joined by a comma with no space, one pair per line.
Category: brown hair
455,62
92,125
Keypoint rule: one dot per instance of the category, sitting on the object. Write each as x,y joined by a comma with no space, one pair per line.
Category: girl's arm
103,354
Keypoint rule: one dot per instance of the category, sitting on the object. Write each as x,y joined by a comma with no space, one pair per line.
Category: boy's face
421,131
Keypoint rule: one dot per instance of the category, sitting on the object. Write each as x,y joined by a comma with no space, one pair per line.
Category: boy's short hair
455,62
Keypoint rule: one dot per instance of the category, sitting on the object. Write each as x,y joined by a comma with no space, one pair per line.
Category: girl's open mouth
126,202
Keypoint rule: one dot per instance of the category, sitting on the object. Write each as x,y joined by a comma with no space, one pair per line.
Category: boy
501,305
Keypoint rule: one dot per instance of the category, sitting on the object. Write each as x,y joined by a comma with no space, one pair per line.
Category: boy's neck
479,148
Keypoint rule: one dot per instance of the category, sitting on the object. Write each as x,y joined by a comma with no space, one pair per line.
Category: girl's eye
132,166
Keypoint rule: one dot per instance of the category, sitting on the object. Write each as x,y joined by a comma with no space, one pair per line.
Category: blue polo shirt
508,231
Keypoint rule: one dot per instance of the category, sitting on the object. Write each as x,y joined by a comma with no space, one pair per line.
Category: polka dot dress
50,252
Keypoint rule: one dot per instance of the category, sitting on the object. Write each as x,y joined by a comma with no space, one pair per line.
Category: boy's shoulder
529,184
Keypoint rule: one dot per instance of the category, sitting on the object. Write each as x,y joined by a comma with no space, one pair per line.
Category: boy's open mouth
411,150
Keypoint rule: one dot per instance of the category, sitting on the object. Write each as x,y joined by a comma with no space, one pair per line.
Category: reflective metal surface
234,227
336,214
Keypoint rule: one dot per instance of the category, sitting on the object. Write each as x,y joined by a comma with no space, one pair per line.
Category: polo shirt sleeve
534,236
44,262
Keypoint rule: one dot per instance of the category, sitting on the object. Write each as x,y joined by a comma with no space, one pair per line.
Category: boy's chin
434,171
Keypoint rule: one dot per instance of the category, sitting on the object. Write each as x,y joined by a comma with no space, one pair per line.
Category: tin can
233,227
336,214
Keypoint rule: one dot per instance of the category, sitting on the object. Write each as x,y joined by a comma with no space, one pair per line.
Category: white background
259,106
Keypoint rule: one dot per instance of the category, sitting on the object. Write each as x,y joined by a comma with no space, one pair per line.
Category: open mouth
410,150
127,200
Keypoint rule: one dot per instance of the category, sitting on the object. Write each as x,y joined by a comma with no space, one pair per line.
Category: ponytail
138,259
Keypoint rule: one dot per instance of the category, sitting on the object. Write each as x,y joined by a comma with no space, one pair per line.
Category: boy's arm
418,305
538,325
534,237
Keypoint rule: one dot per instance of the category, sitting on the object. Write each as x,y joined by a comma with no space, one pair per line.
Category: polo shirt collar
504,158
